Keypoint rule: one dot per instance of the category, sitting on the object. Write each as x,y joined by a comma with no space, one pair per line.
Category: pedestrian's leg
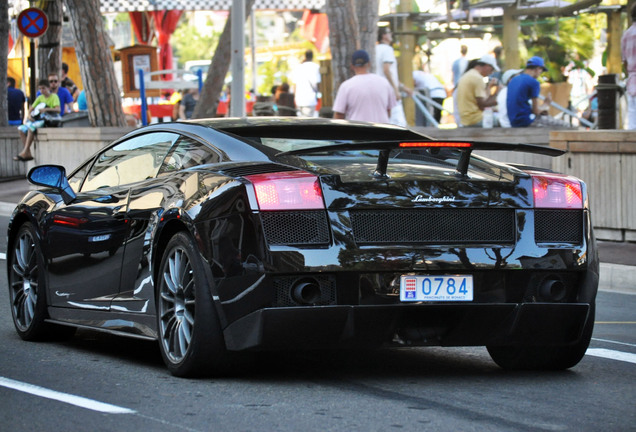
631,112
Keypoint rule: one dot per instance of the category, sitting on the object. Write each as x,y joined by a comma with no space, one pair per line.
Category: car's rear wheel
190,335
27,291
544,357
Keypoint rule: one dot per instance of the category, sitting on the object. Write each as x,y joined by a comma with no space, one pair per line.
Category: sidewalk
618,260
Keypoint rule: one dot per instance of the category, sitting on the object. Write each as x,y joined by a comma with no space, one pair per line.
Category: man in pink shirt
628,49
365,96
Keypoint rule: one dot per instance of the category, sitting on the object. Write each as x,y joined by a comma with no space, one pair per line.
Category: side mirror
53,176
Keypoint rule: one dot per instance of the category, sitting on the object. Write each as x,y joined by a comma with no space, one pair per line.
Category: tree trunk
367,13
49,48
96,64
4,54
213,85
344,37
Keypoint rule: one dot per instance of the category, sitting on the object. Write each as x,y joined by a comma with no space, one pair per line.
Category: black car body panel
323,277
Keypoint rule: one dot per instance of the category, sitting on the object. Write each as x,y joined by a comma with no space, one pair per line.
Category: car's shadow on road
299,366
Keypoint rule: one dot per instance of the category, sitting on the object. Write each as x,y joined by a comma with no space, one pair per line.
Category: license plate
436,288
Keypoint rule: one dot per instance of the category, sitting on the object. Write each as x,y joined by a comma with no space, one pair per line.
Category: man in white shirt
386,66
428,85
305,79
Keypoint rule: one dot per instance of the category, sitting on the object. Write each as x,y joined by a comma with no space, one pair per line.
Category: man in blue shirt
15,103
523,90
66,100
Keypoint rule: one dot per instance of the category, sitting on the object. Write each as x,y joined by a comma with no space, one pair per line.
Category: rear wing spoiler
466,147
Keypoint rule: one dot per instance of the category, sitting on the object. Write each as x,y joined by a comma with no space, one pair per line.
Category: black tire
190,336
27,290
544,357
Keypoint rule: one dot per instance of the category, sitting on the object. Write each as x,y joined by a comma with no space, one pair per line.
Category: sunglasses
53,81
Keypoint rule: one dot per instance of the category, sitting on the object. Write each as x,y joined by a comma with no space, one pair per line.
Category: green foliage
561,41
274,71
188,43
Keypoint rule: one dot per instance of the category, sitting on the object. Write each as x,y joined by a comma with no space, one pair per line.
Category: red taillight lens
435,144
553,191
69,220
294,190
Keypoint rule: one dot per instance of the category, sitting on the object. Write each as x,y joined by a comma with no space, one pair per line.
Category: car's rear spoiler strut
466,147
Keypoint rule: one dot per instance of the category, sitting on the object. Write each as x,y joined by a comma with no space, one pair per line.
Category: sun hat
489,60
507,75
536,61
360,58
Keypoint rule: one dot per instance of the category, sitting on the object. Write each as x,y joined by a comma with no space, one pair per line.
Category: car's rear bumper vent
295,227
434,226
558,226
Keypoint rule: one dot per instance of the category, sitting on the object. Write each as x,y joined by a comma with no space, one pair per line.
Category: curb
617,278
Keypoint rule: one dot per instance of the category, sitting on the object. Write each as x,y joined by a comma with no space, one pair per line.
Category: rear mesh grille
558,226
295,227
245,170
434,226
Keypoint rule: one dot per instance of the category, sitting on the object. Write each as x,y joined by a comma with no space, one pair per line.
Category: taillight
554,191
294,190
435,144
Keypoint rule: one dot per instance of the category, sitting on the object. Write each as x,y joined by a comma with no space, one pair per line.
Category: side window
130,161
188,153
78,176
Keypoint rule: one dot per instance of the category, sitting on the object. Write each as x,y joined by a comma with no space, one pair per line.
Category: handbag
52,120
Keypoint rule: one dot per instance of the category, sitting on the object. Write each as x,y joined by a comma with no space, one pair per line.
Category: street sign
32,22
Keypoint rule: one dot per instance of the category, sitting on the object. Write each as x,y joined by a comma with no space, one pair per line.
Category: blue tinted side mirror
53,176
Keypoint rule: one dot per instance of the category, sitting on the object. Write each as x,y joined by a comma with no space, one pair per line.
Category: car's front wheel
190,336
544,357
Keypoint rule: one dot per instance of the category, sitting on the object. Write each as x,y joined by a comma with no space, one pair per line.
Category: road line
611,354
3,256
614,342
615,322
64,397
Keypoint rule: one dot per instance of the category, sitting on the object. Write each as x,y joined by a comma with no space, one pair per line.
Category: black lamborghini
224,236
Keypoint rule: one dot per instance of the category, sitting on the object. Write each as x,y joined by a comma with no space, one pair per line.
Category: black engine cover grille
434,226
558,226
295,227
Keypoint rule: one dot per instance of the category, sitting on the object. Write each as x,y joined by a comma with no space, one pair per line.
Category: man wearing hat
473,96
365,96
524,88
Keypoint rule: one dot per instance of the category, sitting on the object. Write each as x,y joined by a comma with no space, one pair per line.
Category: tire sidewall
207,346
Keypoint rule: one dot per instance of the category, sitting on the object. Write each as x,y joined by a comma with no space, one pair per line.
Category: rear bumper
323,327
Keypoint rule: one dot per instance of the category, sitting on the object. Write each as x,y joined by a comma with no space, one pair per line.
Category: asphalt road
97,382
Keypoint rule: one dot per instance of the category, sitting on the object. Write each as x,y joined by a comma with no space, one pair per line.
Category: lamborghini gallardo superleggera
224,236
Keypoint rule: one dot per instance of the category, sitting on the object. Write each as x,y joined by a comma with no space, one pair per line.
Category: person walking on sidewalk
386,66
628,50
305,79
365,96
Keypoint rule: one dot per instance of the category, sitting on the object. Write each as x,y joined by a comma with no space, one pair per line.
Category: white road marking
611,354
614,342
3,256
64,397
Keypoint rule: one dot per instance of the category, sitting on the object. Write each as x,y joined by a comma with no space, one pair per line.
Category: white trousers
631,112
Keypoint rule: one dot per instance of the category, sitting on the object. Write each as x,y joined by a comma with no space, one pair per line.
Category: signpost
32,23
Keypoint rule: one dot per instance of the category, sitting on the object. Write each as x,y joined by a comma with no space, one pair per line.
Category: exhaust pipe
306,292
552,289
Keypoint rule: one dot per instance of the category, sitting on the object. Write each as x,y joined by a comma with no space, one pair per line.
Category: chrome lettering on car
62,294
422,198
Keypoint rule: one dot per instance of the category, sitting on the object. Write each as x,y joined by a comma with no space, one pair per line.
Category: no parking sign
32,22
